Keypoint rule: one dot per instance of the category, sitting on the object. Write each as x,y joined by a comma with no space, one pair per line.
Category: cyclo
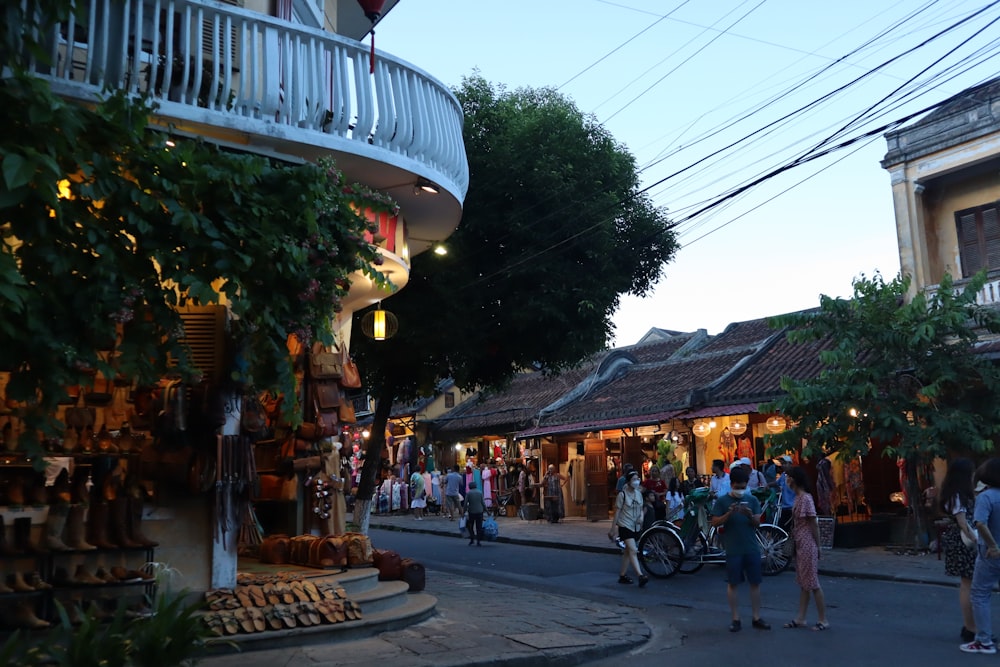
666,548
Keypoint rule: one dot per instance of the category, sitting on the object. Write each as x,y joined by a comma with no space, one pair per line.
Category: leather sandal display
285,614
257,617
215,623
311,590
257,595
270,594
273,618
243,618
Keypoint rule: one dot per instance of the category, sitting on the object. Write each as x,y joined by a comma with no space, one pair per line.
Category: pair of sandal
817,626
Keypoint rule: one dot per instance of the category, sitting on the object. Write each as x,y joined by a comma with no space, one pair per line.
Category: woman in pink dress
805,533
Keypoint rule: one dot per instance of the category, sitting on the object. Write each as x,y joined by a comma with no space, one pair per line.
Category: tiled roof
401,409
760,380
740,335
514,408
659,350
648,388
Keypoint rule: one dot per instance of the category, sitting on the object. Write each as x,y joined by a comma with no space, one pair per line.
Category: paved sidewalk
527,627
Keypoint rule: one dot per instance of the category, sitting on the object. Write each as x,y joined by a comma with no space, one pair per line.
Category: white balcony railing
241,63
989,295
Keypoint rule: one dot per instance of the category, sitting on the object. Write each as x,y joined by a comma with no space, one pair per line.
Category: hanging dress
487,477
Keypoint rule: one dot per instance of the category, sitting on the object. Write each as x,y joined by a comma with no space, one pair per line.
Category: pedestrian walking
452,489
958,541
627,525
475,506
418,494
739,513
986,572
805,533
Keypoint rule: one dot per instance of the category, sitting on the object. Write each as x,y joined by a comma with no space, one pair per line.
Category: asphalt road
872,622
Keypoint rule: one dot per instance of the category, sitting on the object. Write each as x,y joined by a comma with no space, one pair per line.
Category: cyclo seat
761,494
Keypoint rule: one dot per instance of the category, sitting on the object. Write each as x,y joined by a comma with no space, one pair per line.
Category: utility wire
620,46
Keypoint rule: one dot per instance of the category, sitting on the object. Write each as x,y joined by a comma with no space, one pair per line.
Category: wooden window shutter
204,333
991,236
968,242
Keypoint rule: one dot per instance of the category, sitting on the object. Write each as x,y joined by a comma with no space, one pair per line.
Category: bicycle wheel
660,552
774,557
694,555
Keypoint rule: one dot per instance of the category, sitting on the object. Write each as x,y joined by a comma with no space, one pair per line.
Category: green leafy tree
901,373
555,230
106,226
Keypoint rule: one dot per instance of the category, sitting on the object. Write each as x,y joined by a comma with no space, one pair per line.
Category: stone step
386,595
411,608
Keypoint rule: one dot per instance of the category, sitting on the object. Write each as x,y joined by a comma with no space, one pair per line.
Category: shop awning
720,411
597,425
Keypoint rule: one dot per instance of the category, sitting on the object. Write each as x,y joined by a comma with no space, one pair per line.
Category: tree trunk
916,505
373,457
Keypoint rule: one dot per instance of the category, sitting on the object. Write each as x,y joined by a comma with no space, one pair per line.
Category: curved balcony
260,84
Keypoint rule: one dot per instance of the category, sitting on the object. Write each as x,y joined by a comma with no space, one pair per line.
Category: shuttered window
979,238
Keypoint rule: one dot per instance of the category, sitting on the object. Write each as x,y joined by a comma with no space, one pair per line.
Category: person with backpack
757,479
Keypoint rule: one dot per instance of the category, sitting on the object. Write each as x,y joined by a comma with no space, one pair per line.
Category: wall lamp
427,187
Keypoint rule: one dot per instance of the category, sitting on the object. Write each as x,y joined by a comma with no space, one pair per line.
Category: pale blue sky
669,94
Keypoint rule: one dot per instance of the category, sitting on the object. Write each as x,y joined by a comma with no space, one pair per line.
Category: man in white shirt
719,482
757,480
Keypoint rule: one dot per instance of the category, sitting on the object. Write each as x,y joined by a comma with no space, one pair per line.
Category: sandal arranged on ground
272,617
819,627
311,590
285,614
257,595
794,624
243,618
243,597
270,594
215,623
285,592
257,617
229,622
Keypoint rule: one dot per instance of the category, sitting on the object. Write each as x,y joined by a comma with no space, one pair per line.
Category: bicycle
701,542
660,550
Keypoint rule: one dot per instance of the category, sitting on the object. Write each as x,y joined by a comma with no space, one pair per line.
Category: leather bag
324,365
328,552
275,549
345,411
359,549
326,396
350,376
389,564
413,573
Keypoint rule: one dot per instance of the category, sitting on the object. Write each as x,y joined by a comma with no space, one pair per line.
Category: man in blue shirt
739,513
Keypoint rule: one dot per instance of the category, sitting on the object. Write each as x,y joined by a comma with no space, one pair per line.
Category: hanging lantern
775,424
738,427
701,429
379,324
373,10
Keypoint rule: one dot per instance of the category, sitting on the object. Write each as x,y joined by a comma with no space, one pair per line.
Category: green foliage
554,231
173,635
138,227
902,373
91,643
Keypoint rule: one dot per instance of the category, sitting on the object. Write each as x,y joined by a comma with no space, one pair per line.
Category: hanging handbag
326,396
324,365
346,412
350,377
